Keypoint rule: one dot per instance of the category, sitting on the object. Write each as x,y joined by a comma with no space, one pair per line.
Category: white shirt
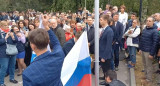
105,27
131,36
102,29
157,23
115,24
65,27
89,27
123,18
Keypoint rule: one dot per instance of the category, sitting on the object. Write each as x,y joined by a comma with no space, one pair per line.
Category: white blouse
123,18
131,36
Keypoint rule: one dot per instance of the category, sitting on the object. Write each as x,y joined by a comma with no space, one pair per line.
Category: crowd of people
118,31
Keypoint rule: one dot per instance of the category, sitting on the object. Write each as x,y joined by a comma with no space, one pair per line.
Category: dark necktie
101,32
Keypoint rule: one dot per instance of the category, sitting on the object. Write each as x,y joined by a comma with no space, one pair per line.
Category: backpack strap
134,29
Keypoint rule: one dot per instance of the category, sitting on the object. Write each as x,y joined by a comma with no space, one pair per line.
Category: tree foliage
22,5
149,6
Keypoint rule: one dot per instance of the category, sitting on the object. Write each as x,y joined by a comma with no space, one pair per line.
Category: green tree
149,6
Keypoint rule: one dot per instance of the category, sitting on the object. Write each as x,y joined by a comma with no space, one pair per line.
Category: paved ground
18,78
123,75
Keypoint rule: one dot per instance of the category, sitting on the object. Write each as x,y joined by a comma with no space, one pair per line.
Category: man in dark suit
90,33
69,45
118,38
45,70
105,44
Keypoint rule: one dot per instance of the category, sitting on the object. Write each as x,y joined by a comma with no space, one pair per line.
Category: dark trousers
28,54
122,43
116,54
106,65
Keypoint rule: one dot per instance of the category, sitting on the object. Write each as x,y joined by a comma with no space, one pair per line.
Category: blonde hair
138,23
2,23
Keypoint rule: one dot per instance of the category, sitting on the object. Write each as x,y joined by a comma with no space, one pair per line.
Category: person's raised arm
53,39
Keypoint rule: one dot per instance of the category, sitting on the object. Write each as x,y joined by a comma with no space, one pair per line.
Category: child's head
110,75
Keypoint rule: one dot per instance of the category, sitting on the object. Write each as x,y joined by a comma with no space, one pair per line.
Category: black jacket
105,42
118,32
59,32
116,83
149,40
68,46
90,34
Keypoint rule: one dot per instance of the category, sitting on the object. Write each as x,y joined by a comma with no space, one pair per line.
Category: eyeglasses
5,25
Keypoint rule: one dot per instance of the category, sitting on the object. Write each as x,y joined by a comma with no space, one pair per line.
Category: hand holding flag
45,22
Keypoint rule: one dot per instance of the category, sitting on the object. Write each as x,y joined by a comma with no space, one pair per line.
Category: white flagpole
97,42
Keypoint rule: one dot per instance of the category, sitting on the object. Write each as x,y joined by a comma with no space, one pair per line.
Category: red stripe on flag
86,80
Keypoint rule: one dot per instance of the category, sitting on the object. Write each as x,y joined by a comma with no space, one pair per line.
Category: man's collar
105,27
90,25
41,56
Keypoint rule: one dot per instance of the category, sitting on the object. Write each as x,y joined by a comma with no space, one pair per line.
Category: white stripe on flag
79,52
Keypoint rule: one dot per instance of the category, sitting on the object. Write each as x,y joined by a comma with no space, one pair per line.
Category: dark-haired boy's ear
107,79
33,46
48,41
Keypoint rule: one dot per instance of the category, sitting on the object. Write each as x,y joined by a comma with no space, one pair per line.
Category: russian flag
76,69
48,47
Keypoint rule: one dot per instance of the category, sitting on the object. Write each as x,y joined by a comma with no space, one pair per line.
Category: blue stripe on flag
83,68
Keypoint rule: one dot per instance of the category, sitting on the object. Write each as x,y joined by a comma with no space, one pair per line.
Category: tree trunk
144,10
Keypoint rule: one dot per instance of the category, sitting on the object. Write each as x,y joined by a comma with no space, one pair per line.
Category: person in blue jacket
7,61
45,70
69,45
148,45
105,45
117,43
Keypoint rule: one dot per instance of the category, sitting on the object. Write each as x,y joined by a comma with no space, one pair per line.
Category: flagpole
96,42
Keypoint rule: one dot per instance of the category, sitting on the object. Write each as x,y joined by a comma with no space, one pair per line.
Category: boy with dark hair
111,79
45,70
129,23
105,42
